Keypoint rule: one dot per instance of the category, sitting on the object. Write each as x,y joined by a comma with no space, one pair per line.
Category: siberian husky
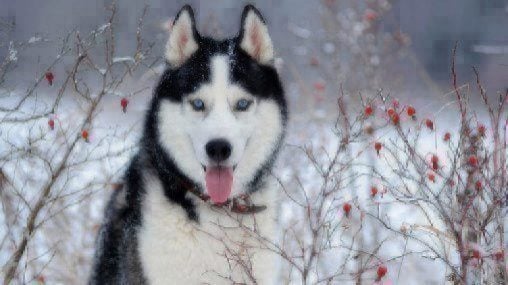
198,204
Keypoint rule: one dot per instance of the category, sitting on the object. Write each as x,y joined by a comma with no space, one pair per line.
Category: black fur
117,259
116,242
260,80
175,183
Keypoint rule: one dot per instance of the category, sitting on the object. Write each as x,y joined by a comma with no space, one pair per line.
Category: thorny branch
61,161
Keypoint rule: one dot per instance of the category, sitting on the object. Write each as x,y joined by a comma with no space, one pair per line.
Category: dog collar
241,204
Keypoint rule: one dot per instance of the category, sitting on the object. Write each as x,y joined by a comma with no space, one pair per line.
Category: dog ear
254,38
183,38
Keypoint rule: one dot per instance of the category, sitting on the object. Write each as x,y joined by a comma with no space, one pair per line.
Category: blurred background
405,46
398,48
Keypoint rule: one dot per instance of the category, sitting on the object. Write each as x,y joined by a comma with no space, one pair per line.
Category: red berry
329,2
395,119
368,129
319,86
499,255
49,77
482,130
435,162
96,228
447,137
51,124
395,103
429,124
314,61
411,111
478,185
472,160
347,208
381,271
368,111
373,191
124,102
116,186
377,147
370,15
41,279
431,177
476,254
84,135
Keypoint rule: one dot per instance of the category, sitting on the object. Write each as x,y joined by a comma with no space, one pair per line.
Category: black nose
218,150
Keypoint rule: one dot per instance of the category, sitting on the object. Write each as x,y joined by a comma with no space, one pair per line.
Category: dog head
219,105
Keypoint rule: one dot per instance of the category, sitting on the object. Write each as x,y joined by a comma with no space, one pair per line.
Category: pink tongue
218,183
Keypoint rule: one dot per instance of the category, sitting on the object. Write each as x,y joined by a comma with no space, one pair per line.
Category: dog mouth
219,182
204,167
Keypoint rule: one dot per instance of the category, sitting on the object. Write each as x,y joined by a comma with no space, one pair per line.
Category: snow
329,48
490,49
299,31
102,28
123,59
13,53
34,39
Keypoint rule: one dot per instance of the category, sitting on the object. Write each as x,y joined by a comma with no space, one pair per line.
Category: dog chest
222,248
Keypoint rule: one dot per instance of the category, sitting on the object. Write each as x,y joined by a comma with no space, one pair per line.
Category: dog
198,202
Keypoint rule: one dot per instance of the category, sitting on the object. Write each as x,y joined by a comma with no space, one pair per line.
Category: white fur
253,134
176,250
256,41
181,44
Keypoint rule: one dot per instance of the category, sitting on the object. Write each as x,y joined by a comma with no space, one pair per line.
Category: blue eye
197,104
243,105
